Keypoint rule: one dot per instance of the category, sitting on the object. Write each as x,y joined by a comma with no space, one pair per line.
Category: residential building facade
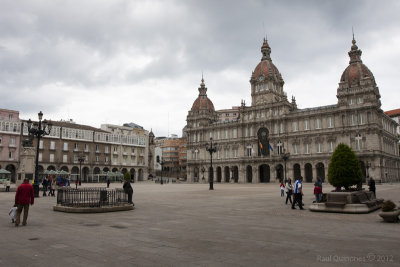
10,131
250,149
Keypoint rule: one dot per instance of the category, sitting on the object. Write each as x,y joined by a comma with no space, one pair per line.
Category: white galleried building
250,148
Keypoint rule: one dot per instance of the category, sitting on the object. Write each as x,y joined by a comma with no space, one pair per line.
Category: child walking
13,212
282,186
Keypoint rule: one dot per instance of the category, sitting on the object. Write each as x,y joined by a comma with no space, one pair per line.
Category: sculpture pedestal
348,202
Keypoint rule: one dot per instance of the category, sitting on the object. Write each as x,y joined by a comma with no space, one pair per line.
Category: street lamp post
81,158
211,149
38,130
285,157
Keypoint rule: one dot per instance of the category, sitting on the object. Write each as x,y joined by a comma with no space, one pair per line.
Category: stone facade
272,134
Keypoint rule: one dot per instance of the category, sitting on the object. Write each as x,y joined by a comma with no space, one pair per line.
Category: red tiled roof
393,112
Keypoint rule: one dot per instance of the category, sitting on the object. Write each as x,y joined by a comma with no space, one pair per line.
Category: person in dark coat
128,190
371,185
108,182
44,184
23,197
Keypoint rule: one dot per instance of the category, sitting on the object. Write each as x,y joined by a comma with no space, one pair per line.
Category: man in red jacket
23,198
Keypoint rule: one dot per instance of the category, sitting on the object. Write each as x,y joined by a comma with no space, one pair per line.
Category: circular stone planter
122,207
390,216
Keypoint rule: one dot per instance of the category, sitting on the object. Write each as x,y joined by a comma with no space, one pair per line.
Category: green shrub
344,169
127,176
388,205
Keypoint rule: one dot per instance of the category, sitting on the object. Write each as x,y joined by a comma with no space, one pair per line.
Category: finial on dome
355,53
265,49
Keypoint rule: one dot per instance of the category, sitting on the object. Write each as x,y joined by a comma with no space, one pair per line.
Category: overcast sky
141,61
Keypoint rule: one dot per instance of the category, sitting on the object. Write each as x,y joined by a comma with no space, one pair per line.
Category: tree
127,176
344,168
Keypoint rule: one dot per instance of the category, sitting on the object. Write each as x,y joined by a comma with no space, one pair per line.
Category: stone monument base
348,202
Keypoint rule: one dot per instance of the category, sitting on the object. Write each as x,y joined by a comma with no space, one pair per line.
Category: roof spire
265,50
355,53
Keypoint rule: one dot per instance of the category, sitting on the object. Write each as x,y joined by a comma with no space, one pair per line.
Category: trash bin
36,190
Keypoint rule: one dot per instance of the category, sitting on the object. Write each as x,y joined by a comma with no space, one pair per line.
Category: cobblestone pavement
188,225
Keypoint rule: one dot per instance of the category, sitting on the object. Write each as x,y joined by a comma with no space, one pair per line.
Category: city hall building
273,133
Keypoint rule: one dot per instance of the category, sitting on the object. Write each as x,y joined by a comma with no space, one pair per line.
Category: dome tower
266,81
357,84
202,112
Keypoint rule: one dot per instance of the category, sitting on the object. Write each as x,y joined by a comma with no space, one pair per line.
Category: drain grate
33,238
92,224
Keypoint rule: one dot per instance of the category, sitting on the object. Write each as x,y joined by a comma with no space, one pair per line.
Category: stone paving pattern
188,225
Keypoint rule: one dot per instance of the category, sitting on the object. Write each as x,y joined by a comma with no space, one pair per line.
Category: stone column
26,167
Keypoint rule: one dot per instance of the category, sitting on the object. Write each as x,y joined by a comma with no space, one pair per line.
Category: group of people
48,184
296,192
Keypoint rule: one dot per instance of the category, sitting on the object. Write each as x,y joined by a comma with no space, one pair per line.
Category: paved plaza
188,225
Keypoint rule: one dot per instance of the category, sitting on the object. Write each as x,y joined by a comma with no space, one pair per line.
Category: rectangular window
86,147
360,118
249,151
97,148
295,151
10,155
76,147
319,148
352,119
51,157
41,144
65,146
65,158
246,132
281,128
226,134
210,135
351,101
317,123
12,141
97,158
106,159
218,135
218,155
251,131
52,145
294,126
226,153
331,146
307,149
306,125
234,133
1,140
275,128
330,122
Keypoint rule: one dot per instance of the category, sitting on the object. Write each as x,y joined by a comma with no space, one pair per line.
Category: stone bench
335,204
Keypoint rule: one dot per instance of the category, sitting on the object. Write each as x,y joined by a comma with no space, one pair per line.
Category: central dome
266,69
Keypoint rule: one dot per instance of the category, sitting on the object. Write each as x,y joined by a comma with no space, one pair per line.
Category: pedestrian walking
13,212
108,182
128,190
23,197
8,184
44,184
298,193
76,184
371,185
282,186
50,186
289,191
